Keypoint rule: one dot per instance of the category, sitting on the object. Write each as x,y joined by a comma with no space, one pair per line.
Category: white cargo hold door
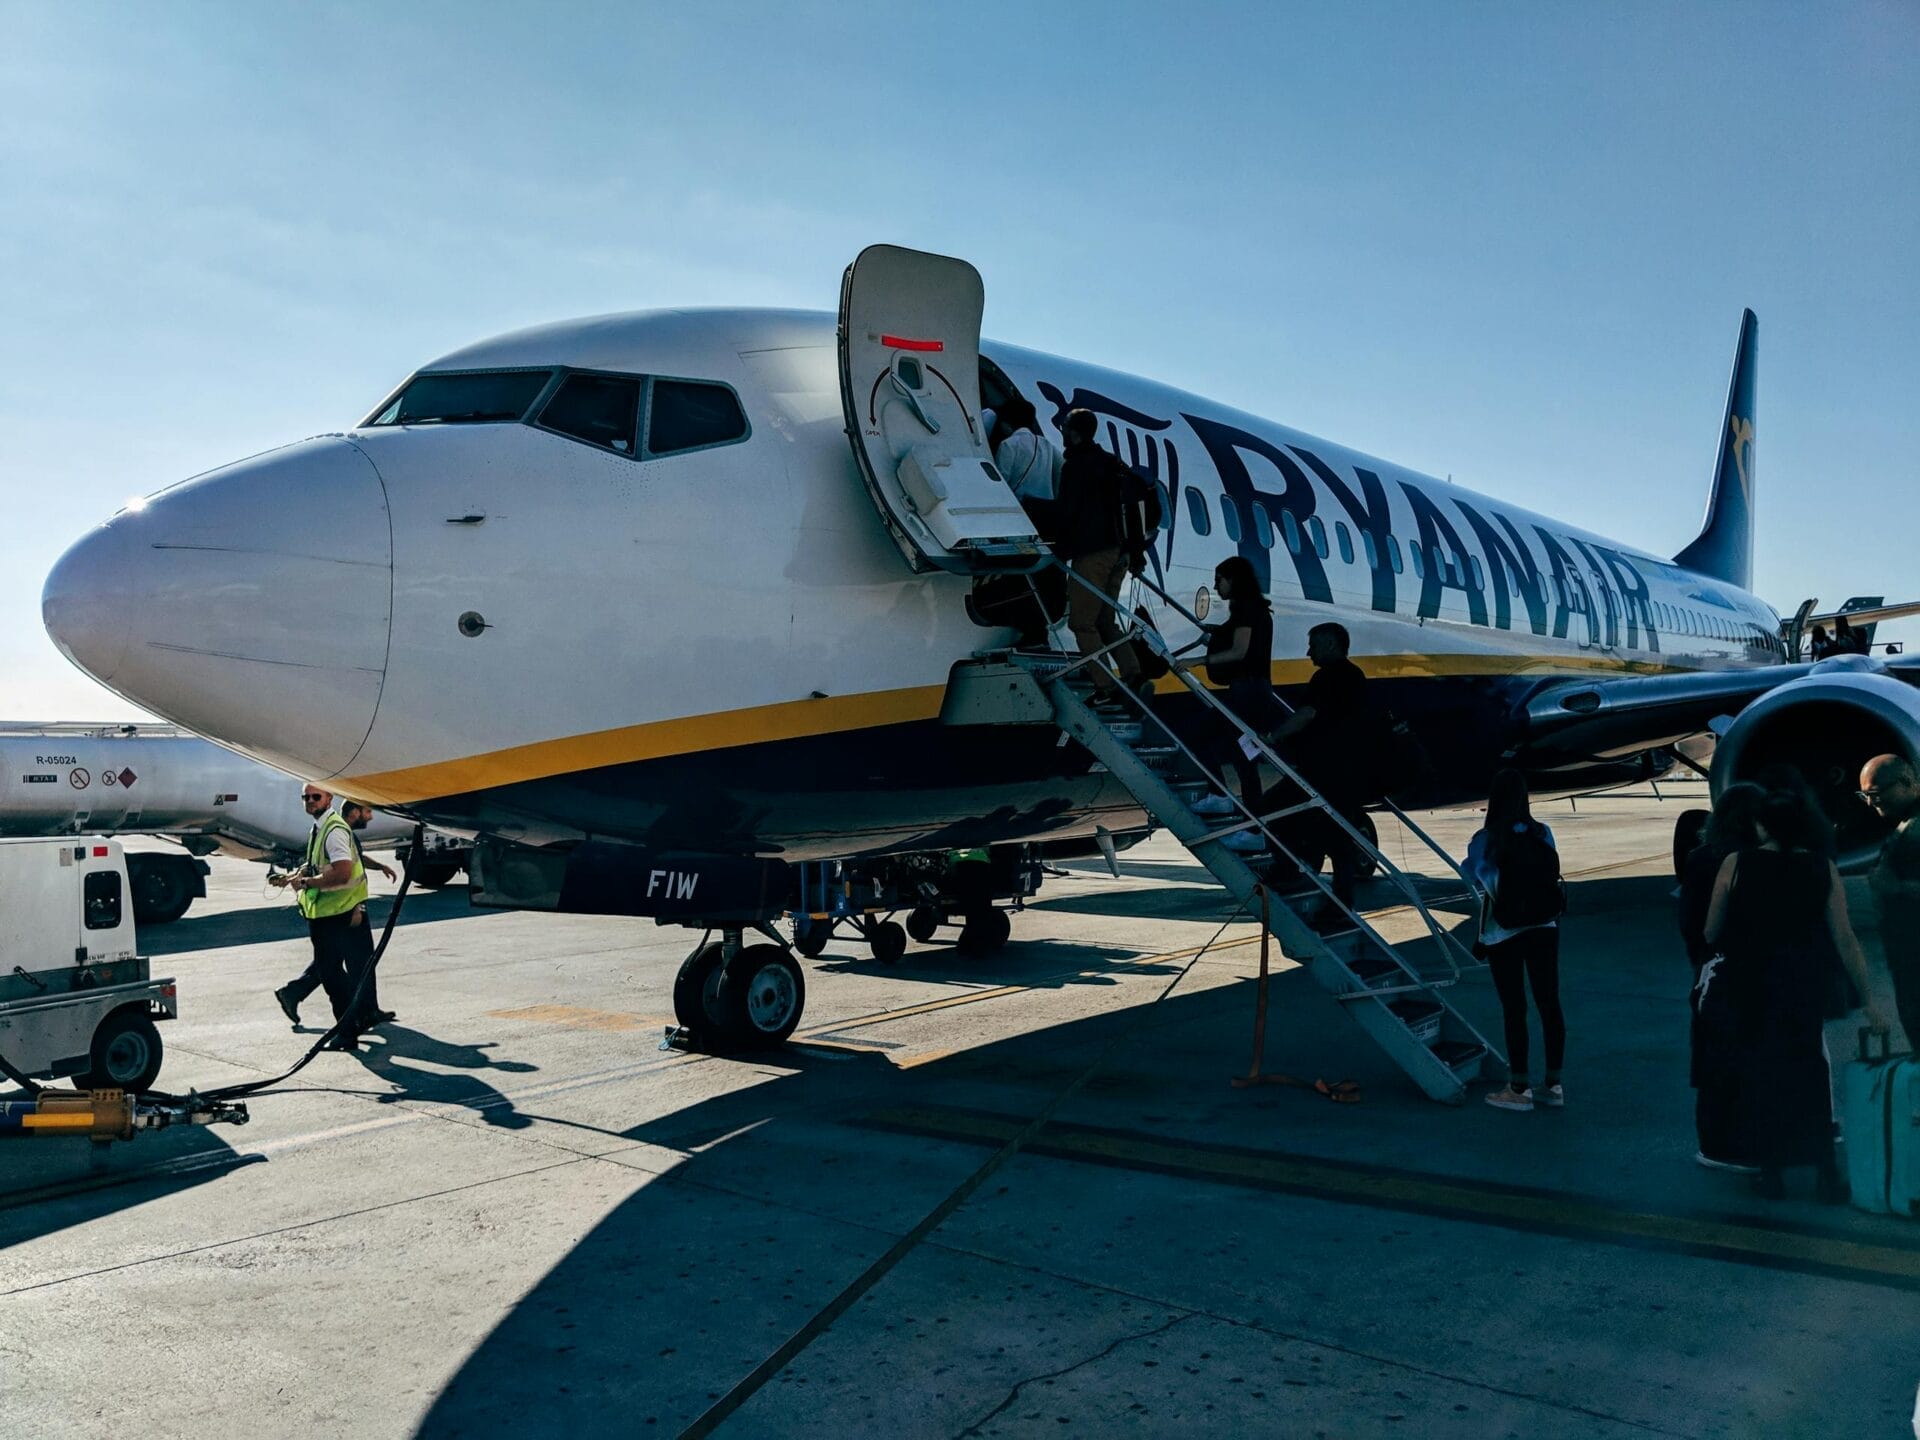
910,386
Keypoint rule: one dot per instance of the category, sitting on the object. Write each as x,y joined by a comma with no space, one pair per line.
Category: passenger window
599,409
1393,553
1197,516
687,415
1372,551
100,899
1290,527
1230,517
1418,552
1262,526
1346,542
1479,575
1317,533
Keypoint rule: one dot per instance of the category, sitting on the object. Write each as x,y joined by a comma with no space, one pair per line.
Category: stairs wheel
986,932
888,942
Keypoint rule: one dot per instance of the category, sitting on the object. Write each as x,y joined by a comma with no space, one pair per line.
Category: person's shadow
387,1050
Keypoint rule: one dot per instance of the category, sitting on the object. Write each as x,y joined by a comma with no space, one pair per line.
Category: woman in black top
1771,910
1240,657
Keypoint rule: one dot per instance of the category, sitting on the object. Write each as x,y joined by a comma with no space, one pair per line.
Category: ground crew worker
332,890
358,815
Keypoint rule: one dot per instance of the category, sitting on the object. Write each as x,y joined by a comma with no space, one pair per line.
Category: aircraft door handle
913,403
470,519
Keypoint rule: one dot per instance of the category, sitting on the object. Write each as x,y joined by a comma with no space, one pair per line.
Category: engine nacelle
1827,725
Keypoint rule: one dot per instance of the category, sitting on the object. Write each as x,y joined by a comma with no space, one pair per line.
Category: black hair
1791,822
1240,575
1507,806
1734,824
1780,777
1016,412
1081,424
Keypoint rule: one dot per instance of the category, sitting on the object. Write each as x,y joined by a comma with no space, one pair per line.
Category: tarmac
1014,1195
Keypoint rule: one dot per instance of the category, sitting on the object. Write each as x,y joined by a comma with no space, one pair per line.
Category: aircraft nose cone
251,604
84,604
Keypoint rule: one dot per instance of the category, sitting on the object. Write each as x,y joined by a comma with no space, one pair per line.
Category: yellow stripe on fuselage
840,714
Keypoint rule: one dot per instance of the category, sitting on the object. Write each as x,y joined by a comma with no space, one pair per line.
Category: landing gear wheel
697,1003
922,922
1687,831
888,941
810,936
125,1054
161,894
985,932
763,992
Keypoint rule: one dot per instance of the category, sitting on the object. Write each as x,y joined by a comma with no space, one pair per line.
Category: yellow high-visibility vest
318,904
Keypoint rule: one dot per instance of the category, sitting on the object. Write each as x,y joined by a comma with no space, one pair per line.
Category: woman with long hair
1524,951
1773,911
1240,657
1712,1068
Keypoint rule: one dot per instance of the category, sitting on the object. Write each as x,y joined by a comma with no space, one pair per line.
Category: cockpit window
494,397
599,409
686,415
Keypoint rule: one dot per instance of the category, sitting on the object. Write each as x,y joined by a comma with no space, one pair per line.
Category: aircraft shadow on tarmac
693,1280
1033,964
278,920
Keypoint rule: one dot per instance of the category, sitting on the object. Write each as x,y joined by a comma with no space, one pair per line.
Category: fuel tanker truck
85,779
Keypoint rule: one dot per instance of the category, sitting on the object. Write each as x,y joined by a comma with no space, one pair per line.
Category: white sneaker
1214,805
1245,842
1508,1098
1552,1096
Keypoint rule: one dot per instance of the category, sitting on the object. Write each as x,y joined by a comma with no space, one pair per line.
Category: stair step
1463,1057
1422,1017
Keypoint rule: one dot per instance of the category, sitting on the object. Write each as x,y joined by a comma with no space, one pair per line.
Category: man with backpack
1514,862
1102,537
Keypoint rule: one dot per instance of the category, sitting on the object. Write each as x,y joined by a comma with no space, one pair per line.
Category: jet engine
1827,725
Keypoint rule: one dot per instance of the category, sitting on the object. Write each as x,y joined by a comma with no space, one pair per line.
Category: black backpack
1527,889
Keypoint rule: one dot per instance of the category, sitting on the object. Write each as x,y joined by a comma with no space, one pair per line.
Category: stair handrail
1450,946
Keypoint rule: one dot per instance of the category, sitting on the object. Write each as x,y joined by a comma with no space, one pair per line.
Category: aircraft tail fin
1724,546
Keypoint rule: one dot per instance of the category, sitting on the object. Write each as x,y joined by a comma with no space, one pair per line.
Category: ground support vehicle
76,1001
977,890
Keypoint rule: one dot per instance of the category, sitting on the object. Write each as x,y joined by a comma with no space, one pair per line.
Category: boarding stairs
1396,993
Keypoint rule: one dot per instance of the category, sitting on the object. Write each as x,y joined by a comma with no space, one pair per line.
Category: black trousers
342,956
1531,958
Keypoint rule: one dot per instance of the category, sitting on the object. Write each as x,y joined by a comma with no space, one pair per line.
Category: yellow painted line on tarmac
579,1017
1476,1202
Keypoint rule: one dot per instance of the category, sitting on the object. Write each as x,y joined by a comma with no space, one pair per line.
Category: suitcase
1880,1120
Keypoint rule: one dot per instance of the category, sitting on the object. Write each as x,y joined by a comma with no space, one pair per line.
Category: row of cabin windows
610,412
1446,567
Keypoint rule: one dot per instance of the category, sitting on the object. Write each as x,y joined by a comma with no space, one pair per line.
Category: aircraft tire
1687,830
697,1002
763,991
888,941
125,1054
922,922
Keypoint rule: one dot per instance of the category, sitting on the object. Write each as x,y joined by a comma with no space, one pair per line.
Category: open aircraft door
910,387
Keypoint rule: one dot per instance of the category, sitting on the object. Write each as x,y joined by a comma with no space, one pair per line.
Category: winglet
1724,547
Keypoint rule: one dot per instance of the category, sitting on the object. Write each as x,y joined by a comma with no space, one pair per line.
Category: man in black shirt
1328,734
1097,539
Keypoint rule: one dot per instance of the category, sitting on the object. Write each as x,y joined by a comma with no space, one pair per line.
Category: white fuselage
459,610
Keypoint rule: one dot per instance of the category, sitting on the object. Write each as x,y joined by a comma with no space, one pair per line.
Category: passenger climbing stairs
1396,993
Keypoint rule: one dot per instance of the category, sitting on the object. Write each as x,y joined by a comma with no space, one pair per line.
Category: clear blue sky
1506,242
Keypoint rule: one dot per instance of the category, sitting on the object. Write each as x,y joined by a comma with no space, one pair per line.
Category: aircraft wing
1608,718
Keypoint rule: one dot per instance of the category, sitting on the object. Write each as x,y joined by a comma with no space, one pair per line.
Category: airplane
660,604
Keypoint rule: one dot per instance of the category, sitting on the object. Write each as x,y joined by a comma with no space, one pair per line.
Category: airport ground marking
1740,1241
